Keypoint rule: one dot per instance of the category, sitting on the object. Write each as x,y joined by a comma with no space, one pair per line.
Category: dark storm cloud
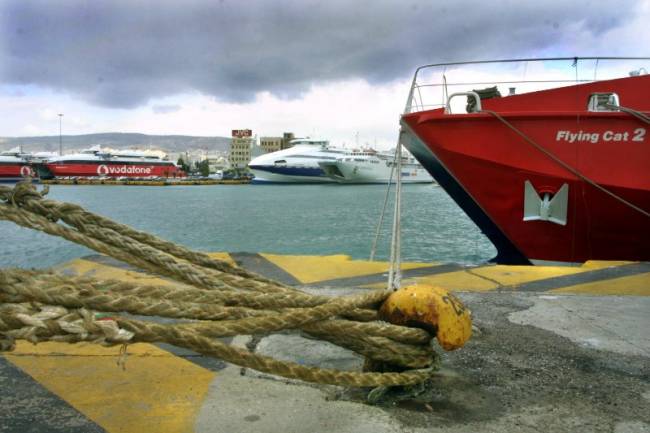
122,53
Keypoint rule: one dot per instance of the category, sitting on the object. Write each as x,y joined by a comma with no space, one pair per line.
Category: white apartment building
240,148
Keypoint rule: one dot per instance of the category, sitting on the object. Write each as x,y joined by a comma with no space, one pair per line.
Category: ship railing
435,85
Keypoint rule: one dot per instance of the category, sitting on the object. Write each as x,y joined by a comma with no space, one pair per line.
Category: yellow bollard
433,309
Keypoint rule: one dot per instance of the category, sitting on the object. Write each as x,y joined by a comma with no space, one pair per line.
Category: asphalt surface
538,363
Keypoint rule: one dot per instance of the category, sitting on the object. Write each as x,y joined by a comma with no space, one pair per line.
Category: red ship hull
11,172
114,169
484,165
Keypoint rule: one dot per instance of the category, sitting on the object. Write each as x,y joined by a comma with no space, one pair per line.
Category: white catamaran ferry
297,164
369,166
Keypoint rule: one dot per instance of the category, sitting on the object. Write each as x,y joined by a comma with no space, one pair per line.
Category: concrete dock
557,349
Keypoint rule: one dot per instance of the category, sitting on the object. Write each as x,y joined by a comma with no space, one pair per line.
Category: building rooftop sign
242,133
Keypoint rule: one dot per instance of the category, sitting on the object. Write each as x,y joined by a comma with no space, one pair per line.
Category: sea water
282,219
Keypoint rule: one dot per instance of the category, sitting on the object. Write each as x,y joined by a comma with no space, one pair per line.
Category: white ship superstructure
369,166
297,164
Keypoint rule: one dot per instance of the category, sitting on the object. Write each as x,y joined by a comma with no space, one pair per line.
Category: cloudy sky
332,68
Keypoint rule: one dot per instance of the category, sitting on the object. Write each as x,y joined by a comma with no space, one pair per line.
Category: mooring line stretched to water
45,306
38,285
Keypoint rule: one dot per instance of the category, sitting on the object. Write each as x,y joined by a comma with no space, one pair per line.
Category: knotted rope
210,298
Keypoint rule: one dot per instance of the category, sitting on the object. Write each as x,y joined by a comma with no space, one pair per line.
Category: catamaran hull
15,172
283,174
113,169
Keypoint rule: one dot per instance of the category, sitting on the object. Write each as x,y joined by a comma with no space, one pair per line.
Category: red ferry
560,174
15,166
98,162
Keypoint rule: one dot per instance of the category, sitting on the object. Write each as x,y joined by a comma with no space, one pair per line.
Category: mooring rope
37,324
632,112
209,299
380,223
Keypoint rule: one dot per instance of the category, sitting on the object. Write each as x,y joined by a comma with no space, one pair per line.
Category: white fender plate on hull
547,208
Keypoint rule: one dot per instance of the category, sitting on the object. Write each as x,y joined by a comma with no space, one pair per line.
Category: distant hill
117,140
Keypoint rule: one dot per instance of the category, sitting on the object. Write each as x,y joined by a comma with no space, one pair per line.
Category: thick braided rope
36,323
16,289
188,293
18,325
60,284
152,332
379,348
380,329
396,333
368,346
111,243
292,318
70,297
175,268
421,359
287,319
254,300
318,320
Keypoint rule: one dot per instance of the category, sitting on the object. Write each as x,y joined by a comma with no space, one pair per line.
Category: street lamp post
60,140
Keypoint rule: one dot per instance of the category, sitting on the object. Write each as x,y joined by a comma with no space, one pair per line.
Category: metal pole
60,140
394,272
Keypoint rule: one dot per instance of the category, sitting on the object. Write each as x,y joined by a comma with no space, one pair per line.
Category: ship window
603,102
280,161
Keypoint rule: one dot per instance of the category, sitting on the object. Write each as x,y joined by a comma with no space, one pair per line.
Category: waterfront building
271,144
217,162
286,140
240,148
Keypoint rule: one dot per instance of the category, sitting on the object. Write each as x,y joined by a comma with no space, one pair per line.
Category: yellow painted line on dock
156,392
633,285
513,275
97,270
464,280
488,278
312,269
222,256
600,264
319,269
101,271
